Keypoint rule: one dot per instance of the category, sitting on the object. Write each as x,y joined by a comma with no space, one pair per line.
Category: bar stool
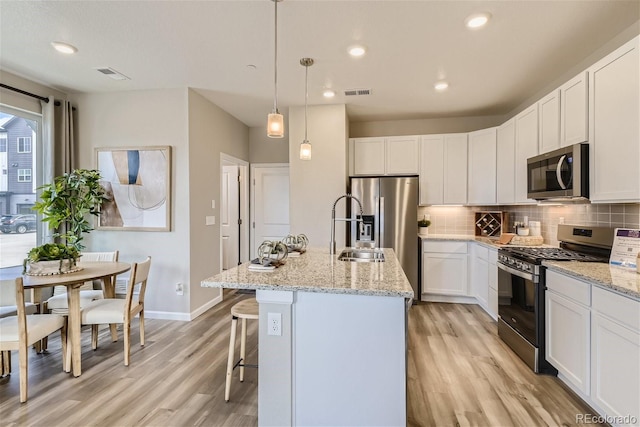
246,309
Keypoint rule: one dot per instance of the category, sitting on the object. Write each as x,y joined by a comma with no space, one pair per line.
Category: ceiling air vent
357,92
110,72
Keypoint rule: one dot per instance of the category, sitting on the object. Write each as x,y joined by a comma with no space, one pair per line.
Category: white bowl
523,231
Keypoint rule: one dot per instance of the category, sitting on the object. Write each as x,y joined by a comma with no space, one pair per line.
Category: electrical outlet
179,288
274,324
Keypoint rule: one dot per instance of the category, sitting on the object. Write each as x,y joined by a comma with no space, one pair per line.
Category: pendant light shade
305,146
275,120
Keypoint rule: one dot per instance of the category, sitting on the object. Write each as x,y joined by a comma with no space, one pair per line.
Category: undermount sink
361,255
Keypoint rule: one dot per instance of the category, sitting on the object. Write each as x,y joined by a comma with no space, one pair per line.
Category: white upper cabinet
482,167
443,169
432,170
385,156
574,107
505,167
402,155
526,146
549,109
455,169
614,147
368,156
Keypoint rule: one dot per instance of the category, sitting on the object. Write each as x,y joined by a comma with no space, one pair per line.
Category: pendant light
305,146
275,120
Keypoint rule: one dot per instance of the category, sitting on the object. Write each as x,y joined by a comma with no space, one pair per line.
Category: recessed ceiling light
357,50
477,20
441,86
328,93
64,47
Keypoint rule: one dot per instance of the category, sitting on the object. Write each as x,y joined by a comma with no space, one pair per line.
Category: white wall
315,184
211,131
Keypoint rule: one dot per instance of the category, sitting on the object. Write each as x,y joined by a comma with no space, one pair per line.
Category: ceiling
208,45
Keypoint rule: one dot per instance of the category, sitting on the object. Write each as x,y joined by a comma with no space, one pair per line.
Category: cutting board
505,238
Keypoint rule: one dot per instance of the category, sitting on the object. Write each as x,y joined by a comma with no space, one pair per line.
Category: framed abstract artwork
137,184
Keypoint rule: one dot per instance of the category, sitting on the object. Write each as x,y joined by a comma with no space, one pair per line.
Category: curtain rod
33,95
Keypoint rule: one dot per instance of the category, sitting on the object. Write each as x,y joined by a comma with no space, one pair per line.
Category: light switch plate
210,220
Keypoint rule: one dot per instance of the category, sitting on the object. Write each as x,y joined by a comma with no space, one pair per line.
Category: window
24,175
24,144
3,142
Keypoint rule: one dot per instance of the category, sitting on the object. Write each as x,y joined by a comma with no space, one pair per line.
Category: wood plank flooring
459,374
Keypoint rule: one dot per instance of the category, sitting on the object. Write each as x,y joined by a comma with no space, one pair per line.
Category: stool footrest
240,363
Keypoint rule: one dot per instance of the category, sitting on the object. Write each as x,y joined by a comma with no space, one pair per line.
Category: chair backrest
139,275
90,257
8,293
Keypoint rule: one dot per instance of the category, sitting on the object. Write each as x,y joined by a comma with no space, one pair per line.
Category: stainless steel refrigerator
389,206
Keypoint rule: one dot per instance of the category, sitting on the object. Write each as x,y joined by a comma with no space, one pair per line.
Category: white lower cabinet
493,283
615,352
568,333
444,270
479,277
593,339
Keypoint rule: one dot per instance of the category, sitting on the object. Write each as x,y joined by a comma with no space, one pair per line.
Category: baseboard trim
185,317
449,298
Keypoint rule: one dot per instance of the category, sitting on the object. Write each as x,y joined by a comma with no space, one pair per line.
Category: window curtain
58,145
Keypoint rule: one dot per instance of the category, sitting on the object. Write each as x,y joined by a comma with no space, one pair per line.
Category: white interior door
270,207
230,216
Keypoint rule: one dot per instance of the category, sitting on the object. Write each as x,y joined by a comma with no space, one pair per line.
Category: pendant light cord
275,62
306,97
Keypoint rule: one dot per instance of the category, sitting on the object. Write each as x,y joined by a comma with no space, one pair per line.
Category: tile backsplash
460,220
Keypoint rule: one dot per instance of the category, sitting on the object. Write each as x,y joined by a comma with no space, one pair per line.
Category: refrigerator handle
381,216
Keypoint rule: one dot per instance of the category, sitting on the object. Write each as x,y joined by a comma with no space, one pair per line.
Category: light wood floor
460,373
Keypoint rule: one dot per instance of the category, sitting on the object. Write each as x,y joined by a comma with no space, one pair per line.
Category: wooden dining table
104,271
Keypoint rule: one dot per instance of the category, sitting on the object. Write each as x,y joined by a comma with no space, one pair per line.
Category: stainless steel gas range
521,287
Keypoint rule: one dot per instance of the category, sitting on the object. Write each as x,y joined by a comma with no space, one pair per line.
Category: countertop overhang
318,271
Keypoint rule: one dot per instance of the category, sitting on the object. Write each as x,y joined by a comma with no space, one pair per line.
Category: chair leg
114,332
232,345
94,337
63,340
141,328
243,345
127,342
67,358
6,362
23,355
44,343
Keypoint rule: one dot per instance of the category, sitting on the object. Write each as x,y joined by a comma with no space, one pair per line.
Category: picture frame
137,182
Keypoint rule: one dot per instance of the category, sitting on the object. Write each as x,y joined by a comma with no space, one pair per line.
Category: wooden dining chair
21,331
58,303
117,310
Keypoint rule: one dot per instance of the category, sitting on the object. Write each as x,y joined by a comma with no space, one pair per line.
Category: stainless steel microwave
561,174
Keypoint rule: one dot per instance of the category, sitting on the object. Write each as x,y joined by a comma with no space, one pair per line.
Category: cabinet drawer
573,289
445,247
624,310
493,256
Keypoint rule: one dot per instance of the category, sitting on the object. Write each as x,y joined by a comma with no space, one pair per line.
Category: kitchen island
341,355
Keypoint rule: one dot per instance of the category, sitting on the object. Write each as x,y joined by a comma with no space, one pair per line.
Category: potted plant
66,205
423,224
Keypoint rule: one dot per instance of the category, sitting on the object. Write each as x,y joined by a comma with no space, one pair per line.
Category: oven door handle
522,274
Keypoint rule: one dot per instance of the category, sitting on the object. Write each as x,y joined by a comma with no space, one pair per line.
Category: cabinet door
615,367
402,155
574,111
432,170
526,146
480,279
455,169
444,273
614,148
549,108
482,167
568,339
493,283
369,156
505,167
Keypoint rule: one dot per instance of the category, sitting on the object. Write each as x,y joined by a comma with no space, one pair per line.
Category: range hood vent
110,72
357,92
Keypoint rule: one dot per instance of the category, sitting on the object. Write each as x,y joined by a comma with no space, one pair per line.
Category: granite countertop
485,241
622,280
317,271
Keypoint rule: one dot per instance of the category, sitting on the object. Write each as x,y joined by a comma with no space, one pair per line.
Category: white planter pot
47,268
423,230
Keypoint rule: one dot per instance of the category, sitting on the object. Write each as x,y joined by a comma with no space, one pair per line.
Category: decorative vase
423,230
47,268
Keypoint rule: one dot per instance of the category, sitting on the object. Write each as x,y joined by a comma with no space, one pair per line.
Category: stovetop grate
552,254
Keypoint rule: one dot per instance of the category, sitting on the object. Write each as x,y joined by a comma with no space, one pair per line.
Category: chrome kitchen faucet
332,243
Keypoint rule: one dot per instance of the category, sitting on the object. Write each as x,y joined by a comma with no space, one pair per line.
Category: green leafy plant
424,222
51,252
67,203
